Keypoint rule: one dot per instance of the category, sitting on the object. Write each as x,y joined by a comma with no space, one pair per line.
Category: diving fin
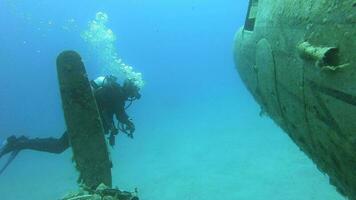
9,160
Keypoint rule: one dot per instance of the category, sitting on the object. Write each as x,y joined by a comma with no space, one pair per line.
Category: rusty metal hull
83,122
298,60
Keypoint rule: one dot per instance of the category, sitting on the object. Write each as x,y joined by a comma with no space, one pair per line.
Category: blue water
198,133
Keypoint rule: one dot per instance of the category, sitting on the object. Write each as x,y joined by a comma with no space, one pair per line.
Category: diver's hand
114,131
130,135
130,127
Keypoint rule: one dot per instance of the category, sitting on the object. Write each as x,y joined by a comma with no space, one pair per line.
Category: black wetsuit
111,102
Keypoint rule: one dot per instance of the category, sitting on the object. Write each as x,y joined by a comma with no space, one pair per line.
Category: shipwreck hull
298,60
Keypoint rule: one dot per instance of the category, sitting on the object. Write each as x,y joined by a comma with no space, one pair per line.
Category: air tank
298,60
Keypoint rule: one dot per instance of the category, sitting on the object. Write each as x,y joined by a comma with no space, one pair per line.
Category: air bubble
102,39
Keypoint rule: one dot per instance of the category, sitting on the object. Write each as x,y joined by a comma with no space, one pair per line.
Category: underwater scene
159,110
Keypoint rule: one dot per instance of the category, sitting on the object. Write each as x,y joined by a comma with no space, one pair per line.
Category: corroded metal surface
102,192
298,60
83,122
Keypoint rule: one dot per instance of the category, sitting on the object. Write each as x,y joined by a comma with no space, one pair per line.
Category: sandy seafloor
187,152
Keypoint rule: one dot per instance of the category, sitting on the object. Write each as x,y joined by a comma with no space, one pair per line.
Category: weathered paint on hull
298,60
83,122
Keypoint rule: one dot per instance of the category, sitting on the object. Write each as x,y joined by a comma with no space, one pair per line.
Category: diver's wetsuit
110,100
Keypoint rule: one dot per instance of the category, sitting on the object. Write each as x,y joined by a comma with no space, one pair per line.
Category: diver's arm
121,115
123,118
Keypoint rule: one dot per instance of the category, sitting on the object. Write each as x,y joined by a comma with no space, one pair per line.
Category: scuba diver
111,100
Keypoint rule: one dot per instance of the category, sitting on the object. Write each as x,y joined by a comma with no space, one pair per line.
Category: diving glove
130,129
